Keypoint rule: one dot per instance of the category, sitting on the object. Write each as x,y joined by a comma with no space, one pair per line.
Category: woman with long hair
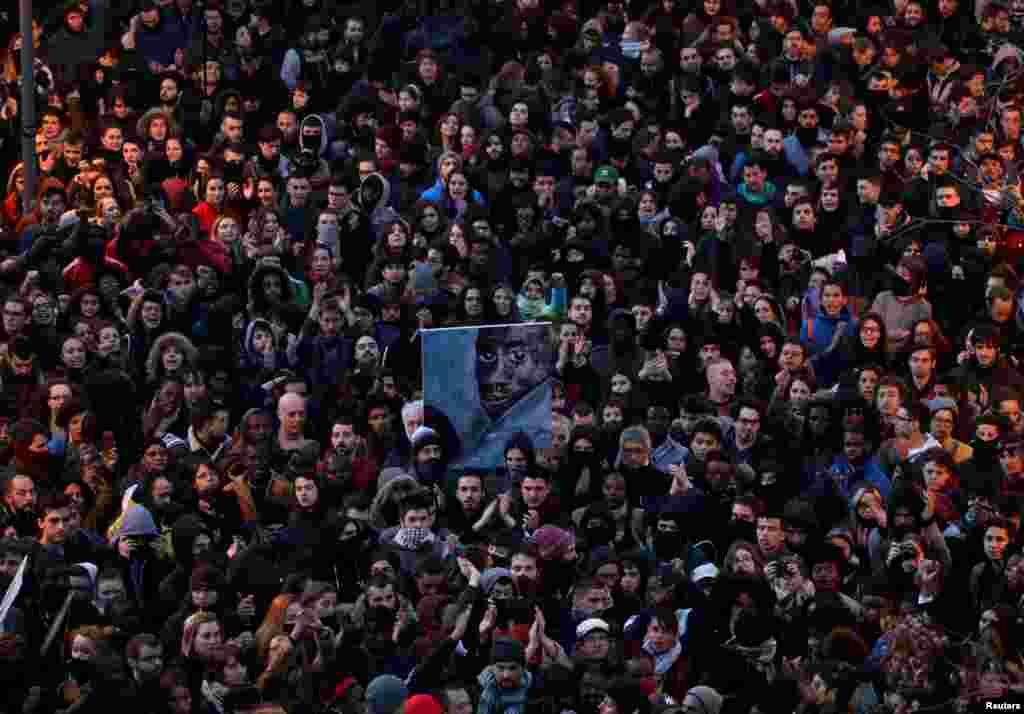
201,640
171,354
13,206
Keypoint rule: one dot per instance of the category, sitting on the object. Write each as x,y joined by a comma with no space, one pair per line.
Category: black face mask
807,137
667,545
742,530
380,618
901,287
658,432
599,535
985,451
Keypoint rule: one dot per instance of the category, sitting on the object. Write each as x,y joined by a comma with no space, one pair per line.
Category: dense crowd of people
777,243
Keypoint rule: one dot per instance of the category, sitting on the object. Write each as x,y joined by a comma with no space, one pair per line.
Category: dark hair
52,502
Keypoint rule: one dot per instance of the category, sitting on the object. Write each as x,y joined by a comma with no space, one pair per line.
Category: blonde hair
191,629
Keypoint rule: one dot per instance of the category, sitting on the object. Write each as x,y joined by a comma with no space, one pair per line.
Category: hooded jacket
380,213
324,143
817,333
250,359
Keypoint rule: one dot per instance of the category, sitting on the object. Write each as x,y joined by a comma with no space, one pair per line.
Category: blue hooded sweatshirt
817,334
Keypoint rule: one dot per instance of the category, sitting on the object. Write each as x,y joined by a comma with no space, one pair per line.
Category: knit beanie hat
629,697
507,650
709,699
385,694
422,704
553,539
138,521
424,436
490,577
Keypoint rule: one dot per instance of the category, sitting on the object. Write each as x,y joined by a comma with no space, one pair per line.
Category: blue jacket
849,474
159,45
817,334
436,194
797,156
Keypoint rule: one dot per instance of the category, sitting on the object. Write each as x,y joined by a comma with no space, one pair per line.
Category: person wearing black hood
207,591
623,354
585,463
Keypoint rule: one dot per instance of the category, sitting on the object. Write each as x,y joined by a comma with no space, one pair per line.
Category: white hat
587,626
708,570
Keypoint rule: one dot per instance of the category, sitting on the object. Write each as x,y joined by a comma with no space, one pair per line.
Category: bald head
291,411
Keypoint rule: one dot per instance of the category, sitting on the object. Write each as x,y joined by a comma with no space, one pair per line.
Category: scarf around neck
663,662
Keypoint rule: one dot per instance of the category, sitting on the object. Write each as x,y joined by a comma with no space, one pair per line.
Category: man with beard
364,370
908,514
346,465
828,566
797,147
468,515
145,657
428,462
613,416
505,684
170,93
387,629
19,504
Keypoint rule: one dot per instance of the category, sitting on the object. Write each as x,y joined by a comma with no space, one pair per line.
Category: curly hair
154,367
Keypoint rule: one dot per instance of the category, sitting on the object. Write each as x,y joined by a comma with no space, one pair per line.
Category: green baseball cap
606,174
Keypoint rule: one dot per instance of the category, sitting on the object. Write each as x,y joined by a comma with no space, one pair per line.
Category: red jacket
78,274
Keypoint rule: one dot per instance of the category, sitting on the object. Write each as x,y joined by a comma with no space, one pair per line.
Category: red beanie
422,704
